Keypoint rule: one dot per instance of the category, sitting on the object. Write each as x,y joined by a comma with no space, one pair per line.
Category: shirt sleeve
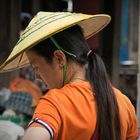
132,132
47,115
129,124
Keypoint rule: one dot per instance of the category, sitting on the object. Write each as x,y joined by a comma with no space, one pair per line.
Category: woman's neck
75,73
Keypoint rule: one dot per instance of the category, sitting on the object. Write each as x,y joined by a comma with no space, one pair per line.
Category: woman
81,103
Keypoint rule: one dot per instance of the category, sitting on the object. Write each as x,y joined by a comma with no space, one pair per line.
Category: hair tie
89,52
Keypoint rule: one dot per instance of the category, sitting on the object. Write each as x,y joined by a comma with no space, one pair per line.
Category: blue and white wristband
36,120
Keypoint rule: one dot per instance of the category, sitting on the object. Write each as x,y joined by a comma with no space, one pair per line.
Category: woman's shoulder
56,95
52,94
125,105
120,96
68,92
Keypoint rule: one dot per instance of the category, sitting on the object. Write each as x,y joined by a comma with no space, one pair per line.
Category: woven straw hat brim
46,24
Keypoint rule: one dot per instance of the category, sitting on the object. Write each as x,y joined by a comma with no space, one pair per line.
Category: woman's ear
60,58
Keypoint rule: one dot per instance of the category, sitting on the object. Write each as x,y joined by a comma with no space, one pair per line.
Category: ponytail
108,120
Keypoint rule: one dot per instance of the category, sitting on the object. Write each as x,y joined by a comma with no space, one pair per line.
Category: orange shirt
69,113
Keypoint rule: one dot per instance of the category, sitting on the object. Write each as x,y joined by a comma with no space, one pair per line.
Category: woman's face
50,74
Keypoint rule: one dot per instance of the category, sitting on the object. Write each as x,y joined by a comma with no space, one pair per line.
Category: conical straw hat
46,24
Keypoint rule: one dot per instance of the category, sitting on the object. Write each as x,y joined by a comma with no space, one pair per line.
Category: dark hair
72,40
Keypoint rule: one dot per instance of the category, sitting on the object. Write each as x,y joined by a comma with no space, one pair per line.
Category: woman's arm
36,133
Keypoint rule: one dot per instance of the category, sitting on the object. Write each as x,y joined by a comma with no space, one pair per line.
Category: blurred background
118,44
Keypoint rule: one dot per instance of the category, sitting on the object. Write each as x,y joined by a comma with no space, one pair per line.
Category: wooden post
133,23
138,76
9,33
116,44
